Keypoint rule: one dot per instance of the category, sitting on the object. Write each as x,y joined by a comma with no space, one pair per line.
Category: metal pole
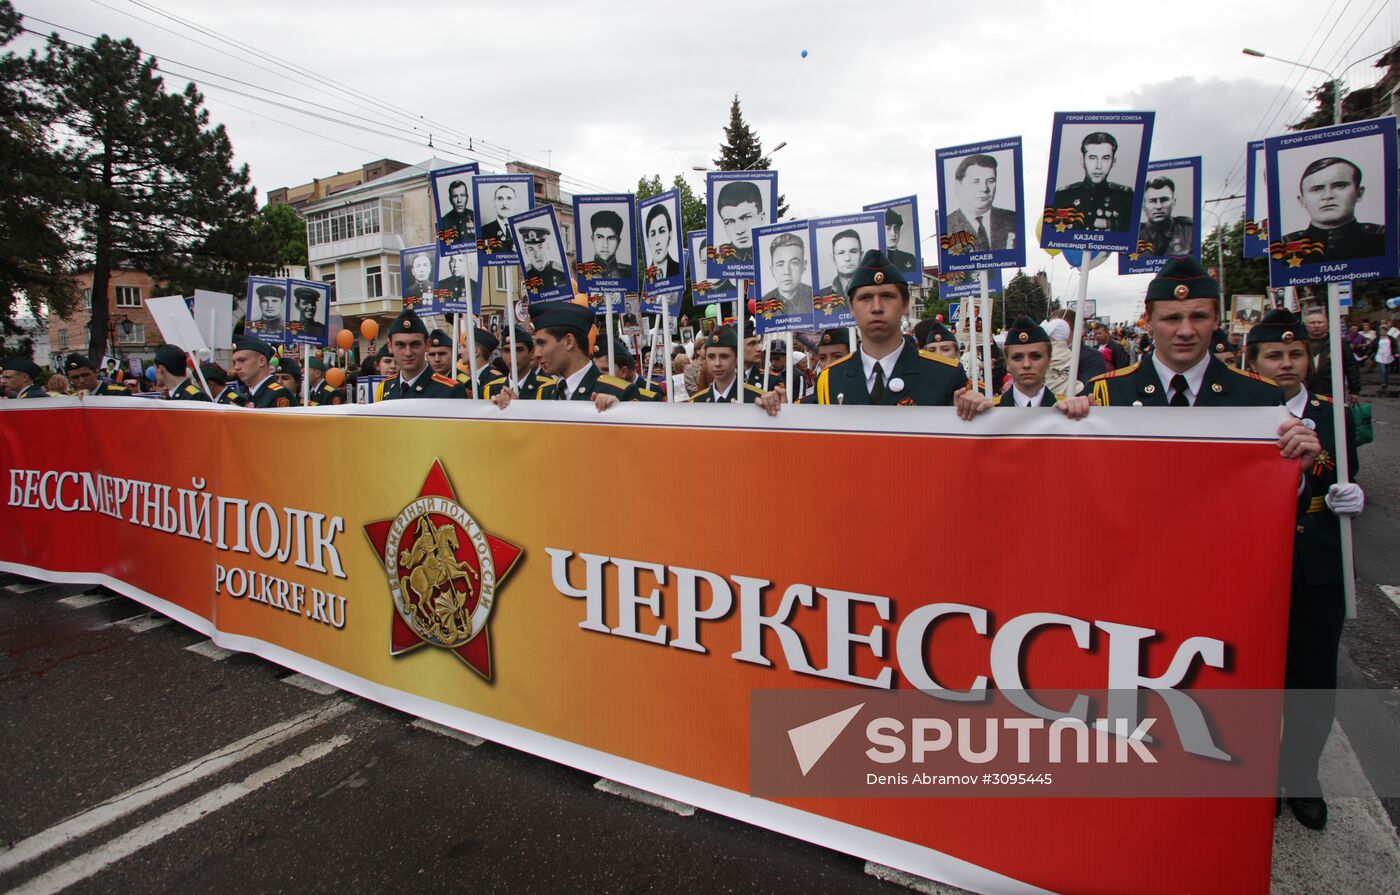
1077,337
608,299
986,334
1339,411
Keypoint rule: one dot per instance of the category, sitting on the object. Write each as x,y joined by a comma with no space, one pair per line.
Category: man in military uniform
408,341
833,345
270,299
1105,205
740,208
531,379
721,358
457,287
845,252
224,393
563,334
504,200
19,378
937,339
384,363
889,369
1277,348
252,364
440,360
606,227
1223,348
172,378
541,271
486,343
82,375
625,368
289,374
307,299
321,394
1028,362
787,259
1164,231
458,226
1183,309
1329,190
754,374
418,281
903,261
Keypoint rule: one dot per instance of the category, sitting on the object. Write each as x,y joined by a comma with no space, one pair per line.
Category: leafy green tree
154,187
1027,296
1242,276
281,225
35,256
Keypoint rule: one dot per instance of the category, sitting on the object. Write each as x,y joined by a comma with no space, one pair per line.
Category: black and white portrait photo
1171,215
458,289
838,244
738,201
784,277
1098,162
661,243
498,197
542,259
418,266
705,289
452,196
267,309
308,312
980,194
604,247
1256,203
902,243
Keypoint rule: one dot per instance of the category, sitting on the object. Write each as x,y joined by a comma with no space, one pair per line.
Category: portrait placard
266,316
1171,216
903,241
542,260
967,282
605,248
838,244
651,304
1256,202
736,202
452,204
308,313
1332,209
1093,194
418,269
496,198
980,188
705,289
1247,311
457,289
784,277
659,217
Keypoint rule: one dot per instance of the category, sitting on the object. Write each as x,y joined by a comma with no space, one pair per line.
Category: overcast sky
610,92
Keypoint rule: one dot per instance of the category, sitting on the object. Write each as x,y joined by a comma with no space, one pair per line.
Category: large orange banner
612,590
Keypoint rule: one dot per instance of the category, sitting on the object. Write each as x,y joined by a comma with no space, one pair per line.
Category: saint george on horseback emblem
444,572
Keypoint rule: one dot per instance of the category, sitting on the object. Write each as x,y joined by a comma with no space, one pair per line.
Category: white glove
1345,500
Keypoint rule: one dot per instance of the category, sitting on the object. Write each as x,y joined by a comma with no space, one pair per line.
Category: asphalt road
135,756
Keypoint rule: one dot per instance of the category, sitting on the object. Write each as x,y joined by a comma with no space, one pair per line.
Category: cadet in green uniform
833,345
1277,347
289,374
721,363
486,343
938,339
889,369
754,374
1028,362
1104,204
18,378
82,375
408,341
321,394
625,368
531,379
563,334
224,393
170,367
541,272
1223,348
252,364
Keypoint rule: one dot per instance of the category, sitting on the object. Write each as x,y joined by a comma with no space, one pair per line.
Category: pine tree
742,150
154,184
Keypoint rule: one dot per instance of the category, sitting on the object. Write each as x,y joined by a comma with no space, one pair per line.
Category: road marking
440,730
144,622
210,650
320,688
25,587
613,788
83,601
157,788
151,832
1393,592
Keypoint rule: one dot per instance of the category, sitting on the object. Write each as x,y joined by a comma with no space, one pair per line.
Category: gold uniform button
1301,529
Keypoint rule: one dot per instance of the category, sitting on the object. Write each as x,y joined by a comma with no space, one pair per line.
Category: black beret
1278,326
486,340
290,367
439,339
171,358
22,365
566,314
253,343
1181,278
383,350
622,357
1220,342
317,364
523,337
407,323
214,373
724,337
78,362
938,333
838,336
1025,331
875,270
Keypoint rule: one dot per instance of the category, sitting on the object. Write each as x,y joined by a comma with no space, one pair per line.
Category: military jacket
1317,546
231,395
462,222
593,383
32,390
1351,240
1105,206
272,393
530,385
1173,239
924,379
187,391
1222,386
427,385
111,389
323,395
551,276
1047,399
707,396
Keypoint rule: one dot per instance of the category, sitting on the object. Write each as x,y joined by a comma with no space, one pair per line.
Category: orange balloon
345,339
369,328
335,376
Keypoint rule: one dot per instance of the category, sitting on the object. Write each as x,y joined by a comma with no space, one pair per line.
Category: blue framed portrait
308,313
418,272
497,198
1171,216
605,247
1256,202
903,237
783,277
457,289
838,244
736,202
705,289
453,207
1093,192
543,265
662,251
266,312
982,194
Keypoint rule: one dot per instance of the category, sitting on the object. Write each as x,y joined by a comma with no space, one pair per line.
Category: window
350,222
128,296
374,282
500,278
63,340
137,336
329,279
87,299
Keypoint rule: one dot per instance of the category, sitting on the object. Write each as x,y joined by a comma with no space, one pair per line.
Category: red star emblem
444,573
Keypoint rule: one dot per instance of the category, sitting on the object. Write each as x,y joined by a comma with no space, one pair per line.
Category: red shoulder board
1323,398
444,380
1112,373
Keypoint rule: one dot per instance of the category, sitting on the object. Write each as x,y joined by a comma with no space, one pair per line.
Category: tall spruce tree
154,186
742,150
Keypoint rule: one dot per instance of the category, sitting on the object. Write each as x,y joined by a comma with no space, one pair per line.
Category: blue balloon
804,54
1393,303
151,373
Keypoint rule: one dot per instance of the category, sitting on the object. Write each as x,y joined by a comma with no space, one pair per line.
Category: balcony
355,247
